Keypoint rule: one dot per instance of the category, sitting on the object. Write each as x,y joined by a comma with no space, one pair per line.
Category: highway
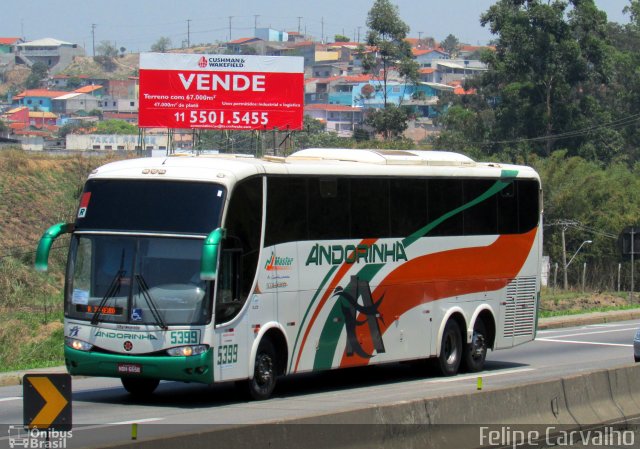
103,412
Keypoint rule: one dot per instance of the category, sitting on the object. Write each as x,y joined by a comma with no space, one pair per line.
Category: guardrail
570,404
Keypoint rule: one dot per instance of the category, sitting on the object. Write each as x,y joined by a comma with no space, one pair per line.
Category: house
473,51
425,57
334,89
8,46
74,102
421,98
55,54
246,46
42,119
40,99
337,118
271,35
93,90
17,116
449,71
119,105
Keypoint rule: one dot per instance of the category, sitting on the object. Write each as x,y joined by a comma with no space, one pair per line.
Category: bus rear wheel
138,386
265,372
450,349
475,352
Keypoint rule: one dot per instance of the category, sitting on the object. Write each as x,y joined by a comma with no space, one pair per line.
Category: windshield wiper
114,289
144,289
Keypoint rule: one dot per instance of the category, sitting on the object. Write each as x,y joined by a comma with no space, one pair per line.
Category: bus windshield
150,205
136,280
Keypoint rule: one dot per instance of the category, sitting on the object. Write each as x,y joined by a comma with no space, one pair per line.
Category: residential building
452,70
246,45
42,119
8,47
55,54
337,118
422,97
271,35
74,102
426,57
37,99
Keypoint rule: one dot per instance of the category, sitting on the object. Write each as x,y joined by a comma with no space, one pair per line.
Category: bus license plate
129,368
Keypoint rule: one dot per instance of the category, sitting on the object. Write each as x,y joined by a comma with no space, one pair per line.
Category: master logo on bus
350,254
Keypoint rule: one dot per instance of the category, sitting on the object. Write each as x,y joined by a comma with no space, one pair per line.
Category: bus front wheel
139,387
450,349
265,372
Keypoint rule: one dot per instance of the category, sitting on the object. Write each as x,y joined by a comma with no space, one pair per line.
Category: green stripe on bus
306,313
506,178
335,321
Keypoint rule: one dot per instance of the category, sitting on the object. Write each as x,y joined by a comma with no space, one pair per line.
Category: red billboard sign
221,91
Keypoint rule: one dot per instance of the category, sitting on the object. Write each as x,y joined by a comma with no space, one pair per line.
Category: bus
232,268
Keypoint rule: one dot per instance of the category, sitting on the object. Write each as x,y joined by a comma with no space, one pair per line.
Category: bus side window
243,224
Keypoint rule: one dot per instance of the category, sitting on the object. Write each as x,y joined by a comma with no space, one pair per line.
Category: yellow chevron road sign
47,401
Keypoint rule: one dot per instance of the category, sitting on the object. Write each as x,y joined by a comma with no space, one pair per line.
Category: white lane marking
134,421
594,343
480,374
10,399
595,332
589,326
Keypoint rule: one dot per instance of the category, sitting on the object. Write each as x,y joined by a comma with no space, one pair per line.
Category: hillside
119,68
36,192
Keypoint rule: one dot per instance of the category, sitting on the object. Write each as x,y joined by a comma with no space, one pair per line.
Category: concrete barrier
599,397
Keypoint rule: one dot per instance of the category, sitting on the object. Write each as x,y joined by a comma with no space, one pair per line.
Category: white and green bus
230,268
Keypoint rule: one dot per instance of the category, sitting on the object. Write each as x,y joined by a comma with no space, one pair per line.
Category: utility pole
322,30
299,19
420,35
93,38
255,23
564,259
359,34
230,17
188,33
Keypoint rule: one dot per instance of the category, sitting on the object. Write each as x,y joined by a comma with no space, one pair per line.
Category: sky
137,24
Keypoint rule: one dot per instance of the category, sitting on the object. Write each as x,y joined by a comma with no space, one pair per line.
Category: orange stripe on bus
450,273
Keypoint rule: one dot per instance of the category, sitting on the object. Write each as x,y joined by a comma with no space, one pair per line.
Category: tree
390,121
161,45
341,38
387,33
451,45
39,71
106,48
116,127
547,78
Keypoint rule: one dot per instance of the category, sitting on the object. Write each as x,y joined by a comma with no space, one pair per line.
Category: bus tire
265,372
450,356
138,386
475,352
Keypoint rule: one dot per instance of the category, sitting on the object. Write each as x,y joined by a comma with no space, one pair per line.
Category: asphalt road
103,411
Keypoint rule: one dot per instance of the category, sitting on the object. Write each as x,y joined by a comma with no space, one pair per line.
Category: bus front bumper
196,368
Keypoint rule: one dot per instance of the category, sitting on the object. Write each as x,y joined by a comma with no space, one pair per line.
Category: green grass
27,341
550,313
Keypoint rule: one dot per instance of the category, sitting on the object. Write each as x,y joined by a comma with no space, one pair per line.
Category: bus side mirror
46,241
210,251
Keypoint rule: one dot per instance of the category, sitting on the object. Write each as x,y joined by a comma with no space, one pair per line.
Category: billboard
221,91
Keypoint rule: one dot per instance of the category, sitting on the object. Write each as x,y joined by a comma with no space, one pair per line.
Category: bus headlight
187,351
77,344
